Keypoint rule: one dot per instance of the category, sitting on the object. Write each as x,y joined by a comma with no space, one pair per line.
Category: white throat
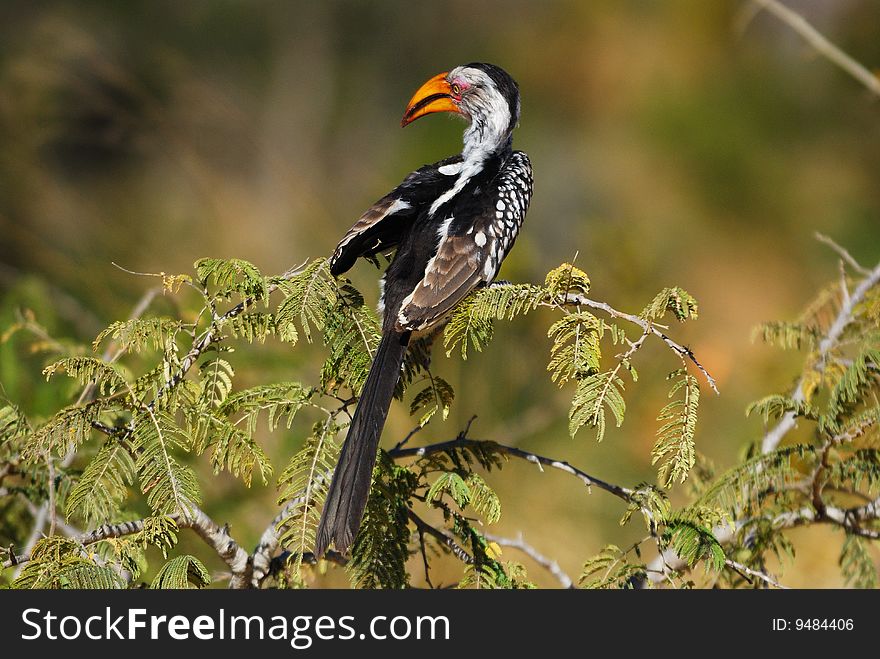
486,134
488,131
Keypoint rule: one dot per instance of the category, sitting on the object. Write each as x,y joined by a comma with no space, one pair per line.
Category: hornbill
452,224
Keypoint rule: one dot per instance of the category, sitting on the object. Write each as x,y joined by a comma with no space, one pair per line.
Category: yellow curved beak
433,96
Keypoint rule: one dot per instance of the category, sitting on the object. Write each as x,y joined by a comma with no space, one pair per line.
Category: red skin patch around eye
463,87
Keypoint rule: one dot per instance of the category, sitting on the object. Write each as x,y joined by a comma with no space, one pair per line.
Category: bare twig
463,442
821,44
547,563
457,550
747,572
828,342
648,327
843,253
36,534
412,433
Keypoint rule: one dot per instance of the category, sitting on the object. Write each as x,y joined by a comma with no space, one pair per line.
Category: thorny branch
624,493
827,343
648,327
747,572
547,563
458,551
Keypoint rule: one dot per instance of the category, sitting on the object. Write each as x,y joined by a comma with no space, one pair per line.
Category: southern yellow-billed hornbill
452,223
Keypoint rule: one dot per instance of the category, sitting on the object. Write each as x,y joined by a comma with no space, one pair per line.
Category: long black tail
350,487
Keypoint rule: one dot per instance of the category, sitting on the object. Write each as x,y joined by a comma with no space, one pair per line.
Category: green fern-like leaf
610,569
381,548
483,499
471,323
13,423
169,485
304,484
693,542
484,453
852,386
566,279
776,405
786,335
180,573
576,349
68,429
351,332
452,484
742,487
649,500
494,575
856,564
232,276
103,486
279,401
139,334
58,562
675,438
123,554
89,370
89,576
255,326
238,453
437,396
859,471
309,297
592,396
676,300
216,374
160,531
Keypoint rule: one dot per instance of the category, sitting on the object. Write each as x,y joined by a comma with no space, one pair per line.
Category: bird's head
484,94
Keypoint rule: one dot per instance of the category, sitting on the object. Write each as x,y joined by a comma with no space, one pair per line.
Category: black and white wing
381,226
475,237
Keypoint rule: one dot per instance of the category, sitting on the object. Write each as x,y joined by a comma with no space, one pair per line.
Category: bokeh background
684,143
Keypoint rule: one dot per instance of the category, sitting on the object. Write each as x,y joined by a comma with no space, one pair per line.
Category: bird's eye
456,89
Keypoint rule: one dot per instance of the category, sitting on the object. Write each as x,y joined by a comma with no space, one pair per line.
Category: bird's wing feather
455,271
382,225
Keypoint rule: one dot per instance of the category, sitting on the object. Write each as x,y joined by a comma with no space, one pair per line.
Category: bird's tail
350,487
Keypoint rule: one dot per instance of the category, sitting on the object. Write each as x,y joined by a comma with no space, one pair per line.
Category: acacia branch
747,572
264,565
850,519
827,343
216,536
547,563
619,491
458,551
821,44
648,327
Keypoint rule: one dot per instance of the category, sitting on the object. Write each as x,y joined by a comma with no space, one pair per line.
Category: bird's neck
483,142
485,137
